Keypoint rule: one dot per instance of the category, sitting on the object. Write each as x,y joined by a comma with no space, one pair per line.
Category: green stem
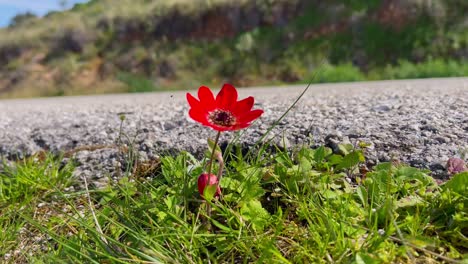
213,152
210,166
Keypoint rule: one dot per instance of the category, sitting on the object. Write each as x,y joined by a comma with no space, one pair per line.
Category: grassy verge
303,206
403,70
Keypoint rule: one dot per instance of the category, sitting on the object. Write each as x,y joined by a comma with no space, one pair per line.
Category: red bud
208,179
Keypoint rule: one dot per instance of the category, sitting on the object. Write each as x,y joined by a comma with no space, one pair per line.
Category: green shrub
429,69
136,83
340,73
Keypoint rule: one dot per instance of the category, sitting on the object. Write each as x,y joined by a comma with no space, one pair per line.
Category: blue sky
9,8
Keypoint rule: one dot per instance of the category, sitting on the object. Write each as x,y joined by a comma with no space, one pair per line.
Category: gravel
419,122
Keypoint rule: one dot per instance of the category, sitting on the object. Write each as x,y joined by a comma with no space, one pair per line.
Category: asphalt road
422,122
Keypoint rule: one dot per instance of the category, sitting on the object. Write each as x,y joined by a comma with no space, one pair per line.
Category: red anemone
223,113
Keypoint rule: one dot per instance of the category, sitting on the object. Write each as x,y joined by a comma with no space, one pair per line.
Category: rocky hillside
140,45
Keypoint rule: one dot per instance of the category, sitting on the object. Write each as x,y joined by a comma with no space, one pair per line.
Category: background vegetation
140,45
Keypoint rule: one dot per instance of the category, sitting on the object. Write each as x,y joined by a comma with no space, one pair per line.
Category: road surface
420,122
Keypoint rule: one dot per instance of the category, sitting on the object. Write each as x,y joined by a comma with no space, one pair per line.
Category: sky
9,8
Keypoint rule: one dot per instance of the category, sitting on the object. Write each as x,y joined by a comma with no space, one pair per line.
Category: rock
384,157
437,166
333,140
382,108
443,139
426,134
169,125
455,165
430,128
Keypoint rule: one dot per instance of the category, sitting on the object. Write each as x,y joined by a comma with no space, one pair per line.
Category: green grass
403,70
303,206
28,189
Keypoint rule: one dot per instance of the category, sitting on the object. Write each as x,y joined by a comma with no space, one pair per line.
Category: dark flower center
222,118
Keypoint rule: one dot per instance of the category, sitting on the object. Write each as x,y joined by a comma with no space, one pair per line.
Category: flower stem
213,152
210,166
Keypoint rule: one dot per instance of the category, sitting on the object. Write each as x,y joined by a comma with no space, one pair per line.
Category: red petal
250,116
219,128
198,116
227,97
206,97
243,106
192,101
242,126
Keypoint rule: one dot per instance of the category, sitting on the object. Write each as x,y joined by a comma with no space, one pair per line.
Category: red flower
223,113
208,179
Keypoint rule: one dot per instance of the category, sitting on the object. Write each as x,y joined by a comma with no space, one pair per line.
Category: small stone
426,134
169,125
417,163
337,135
382,108
283,143
430,128
443,139
147,144
142,156
355,133
332,143
383,157
70,189
413,127
100,184
437,166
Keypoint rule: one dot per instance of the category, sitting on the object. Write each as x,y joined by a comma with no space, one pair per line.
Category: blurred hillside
144,45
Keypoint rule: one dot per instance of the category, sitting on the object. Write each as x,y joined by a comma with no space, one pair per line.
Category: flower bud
208,179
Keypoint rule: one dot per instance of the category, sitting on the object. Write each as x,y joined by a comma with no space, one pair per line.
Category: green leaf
319,154
363,195
330,194
342,150
207,154
363,258
305,165
209,192
421,241
458,184
221,226
230,184
409,201
212,145
218,153
335,159
363,144
384,166
345,149
351,160
255,213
